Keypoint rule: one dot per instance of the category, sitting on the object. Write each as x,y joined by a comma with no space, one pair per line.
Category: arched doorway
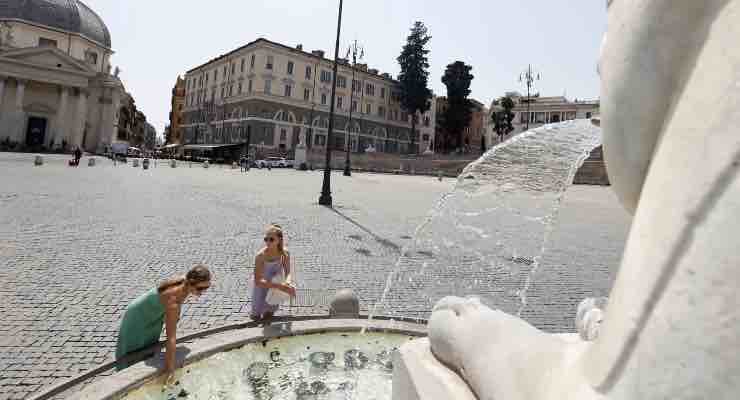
36,131
284,122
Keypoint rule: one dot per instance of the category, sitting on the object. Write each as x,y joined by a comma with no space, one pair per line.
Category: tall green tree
414,76
456,117
503,118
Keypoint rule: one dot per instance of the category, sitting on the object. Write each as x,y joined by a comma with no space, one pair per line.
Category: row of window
235,133
541,117
288,92
325,76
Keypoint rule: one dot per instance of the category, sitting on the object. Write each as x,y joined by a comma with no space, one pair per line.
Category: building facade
174,135
472,137
56,88
131,126
542,110
150,138
271,95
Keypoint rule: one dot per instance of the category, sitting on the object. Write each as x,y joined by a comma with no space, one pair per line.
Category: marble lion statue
670,111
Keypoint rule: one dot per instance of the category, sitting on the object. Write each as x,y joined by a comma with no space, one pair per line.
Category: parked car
133,152
290,163
260,164
277,162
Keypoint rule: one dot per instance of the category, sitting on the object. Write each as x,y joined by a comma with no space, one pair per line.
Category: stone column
81,120
17,123
108,129
60,126
19,93
3,132
2,90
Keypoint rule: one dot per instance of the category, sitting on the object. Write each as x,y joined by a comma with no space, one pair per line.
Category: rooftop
297,50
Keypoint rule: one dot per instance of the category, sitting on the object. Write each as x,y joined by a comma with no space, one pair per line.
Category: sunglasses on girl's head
269,239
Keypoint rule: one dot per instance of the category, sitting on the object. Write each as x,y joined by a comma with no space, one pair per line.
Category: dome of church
67,15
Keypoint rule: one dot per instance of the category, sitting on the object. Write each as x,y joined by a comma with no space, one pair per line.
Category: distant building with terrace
543,110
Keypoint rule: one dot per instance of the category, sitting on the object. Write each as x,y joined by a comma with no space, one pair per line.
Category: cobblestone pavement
78,244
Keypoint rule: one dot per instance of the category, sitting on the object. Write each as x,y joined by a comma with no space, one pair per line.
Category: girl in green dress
142,322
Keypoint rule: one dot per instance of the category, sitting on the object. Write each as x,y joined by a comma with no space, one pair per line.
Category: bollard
135,163
345,304
439,175
233,165
173,164
91,162
206,164
38,161
145,163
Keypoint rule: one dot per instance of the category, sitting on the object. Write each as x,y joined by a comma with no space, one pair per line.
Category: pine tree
414,76
502,119
459,111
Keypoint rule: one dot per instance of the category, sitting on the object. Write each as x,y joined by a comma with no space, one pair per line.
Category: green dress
141,325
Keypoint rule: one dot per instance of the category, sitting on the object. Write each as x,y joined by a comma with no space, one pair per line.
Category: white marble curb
132,378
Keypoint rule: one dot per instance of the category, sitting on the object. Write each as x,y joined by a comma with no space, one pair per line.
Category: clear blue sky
155,40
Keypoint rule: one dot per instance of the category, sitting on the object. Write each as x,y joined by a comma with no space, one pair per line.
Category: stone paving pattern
77,245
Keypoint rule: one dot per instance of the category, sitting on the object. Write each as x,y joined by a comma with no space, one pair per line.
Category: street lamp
325,198
354,49
313,107
529,77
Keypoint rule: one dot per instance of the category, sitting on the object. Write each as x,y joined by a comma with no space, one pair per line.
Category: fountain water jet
486,236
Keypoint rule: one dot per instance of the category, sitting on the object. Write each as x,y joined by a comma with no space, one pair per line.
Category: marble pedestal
301,156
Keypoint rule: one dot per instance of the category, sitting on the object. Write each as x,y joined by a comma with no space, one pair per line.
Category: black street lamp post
310,140
347,163
529,77
325,198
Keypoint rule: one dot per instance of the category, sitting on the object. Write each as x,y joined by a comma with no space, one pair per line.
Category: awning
208,146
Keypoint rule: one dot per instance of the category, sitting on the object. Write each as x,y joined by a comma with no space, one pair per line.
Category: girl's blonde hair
277,230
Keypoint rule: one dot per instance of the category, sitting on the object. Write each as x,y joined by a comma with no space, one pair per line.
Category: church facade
56,86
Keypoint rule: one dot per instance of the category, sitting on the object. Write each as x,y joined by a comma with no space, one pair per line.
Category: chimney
362,66
318,53
373,71
386,75
299,47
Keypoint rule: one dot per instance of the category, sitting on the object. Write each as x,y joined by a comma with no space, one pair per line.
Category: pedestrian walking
78,156
243,163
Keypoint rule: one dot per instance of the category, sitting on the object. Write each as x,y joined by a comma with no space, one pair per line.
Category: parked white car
277,162
274,162
290,163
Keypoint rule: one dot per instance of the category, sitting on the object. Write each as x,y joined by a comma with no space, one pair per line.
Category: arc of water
541,164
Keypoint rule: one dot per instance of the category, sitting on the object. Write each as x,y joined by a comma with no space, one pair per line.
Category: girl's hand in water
170,379
167,379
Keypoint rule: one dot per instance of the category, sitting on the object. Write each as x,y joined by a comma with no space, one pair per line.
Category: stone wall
593,171
393,163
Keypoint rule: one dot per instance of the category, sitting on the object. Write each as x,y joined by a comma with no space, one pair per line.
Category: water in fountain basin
487,236
330,366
